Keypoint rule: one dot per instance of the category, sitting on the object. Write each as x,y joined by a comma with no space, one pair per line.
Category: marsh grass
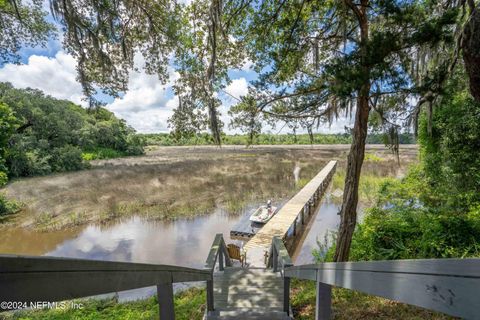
176,183
370,184
372,157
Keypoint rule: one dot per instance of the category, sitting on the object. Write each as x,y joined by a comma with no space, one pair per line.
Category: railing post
210,302
220,258
165,301
274,258
295,227
303,216
323,305
286,295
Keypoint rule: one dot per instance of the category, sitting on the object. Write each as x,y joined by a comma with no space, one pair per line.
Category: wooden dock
288,215
244,229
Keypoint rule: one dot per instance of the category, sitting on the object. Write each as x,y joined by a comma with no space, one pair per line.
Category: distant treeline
165,139
41,134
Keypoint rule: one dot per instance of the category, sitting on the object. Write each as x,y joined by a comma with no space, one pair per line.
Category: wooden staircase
254,293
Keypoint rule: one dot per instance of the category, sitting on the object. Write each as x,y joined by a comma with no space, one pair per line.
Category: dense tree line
41,134
169,139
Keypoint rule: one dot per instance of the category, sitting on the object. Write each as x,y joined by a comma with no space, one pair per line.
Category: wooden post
295,227
210,303
323,308
303,216
286,295
165,301
220,259
275,258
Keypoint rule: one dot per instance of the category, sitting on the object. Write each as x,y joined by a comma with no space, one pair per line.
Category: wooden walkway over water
288,215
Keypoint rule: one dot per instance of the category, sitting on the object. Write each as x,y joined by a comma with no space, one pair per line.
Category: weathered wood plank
453,267
24,278
165,301
280,223
446,285
323,302
248,288
213,253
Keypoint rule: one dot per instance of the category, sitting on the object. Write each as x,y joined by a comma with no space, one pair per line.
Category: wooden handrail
218,249
279,257
218,252
447,285
33,279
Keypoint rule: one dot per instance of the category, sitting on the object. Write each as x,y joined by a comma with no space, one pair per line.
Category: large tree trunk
471,51
212,40
352,178
348,213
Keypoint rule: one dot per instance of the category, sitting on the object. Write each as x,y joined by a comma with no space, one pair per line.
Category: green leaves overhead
104,36
22,23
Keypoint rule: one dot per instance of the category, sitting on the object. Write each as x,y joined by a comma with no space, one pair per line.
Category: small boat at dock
263,213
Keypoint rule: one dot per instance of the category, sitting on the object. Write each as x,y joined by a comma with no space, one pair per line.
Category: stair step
250,315
241,293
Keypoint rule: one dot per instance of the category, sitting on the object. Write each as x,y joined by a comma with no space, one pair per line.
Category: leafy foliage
412,231
22,24
49,135
247,118
434,211
8,206
450,148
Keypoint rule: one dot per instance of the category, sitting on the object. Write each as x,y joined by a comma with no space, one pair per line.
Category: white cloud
146,106
150,120
148,103
54,76
237,88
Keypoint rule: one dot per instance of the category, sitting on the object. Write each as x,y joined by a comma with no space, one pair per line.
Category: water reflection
325,220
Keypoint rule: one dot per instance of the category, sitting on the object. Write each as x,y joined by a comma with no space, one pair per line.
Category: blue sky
147,104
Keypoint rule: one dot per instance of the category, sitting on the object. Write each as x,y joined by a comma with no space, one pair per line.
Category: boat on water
264,213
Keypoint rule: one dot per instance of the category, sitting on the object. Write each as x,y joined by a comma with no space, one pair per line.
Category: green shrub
415,234
101,153
3,179
8,206
67,158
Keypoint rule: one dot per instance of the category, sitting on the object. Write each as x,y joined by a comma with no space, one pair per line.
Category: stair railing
26,281
450,286
218,252
279,260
